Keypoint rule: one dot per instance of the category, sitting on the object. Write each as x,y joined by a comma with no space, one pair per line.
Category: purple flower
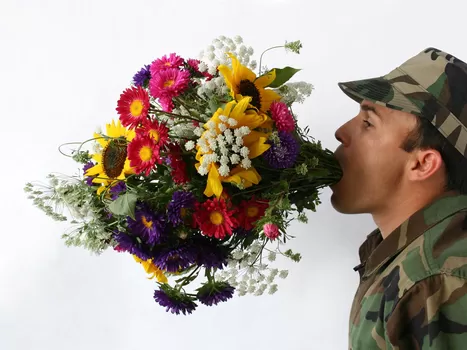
142,77
127,243
284,154
174,259
117,189
174,301
214,293
179,206
86,167
149,225
211,254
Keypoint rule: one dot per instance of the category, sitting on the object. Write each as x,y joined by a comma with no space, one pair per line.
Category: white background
63,65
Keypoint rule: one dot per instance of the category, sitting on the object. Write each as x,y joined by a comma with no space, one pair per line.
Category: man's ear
424,163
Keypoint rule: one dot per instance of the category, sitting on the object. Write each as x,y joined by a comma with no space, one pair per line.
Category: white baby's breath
235,159
224,170
189,145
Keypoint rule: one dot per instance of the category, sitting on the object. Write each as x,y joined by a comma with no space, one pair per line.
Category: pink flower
169,83
194,64
281,115
166,104
271,231
173,61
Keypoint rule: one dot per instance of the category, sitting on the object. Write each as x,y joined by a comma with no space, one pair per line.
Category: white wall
63,65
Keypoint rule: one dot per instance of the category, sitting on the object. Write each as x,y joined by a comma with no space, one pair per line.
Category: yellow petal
267,97
253,137
251,119
240,72
258,148
227,74
96,169
214,185
266,79
249,176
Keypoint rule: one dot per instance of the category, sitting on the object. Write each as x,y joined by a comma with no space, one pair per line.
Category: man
404,162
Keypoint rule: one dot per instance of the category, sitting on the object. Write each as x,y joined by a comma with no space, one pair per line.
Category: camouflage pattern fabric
432,84
413,284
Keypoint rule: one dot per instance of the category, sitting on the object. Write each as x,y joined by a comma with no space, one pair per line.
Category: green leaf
124,205
282,76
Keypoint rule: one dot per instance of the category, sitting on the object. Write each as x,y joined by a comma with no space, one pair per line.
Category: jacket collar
376,251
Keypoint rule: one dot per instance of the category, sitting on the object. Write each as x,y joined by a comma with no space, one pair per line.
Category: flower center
252,211
113,158
136,108
183,213
154,134
216,218
168,83
145,153
146,223
248,88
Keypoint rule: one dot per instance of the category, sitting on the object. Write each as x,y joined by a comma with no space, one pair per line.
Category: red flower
175,161
157,131
251,211
133,106
214,219
143,154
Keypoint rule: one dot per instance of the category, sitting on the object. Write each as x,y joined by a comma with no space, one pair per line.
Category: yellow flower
243,82
255,141
112,162
150,268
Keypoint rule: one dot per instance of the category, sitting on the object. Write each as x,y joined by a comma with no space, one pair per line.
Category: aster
157,131
142,77
166,62
250,211
177,164
281,115
284,153
212,293
169,83
86,167
127,243
180,206
143,154
149,225
210,253
174,300
175,259
116,189
133,106
214,218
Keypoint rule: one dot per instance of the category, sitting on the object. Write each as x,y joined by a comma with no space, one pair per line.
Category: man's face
373,163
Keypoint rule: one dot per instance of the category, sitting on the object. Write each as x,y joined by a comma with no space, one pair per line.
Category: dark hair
426,136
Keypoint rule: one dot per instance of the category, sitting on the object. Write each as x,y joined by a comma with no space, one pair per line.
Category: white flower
223,118
239,141
261,278
224,170
202,67
211,125
238,39
242,50
283,273
236,149
219,44
272,289
212,133
253,64
245,277
251,289
189,145
224,150
212,70
238,254
202,170
212,143
211,56
246,163
211,48
210,85
274,272
232,122
235,159
250,51
272,256
222,127
244,130
198,131
224,160
244,152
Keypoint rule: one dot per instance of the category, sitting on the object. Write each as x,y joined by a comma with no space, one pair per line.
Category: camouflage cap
432,84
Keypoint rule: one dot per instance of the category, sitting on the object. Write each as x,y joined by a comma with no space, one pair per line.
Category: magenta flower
271,231
169,83
281,115
166,62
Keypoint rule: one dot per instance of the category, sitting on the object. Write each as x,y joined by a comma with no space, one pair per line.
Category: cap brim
380,91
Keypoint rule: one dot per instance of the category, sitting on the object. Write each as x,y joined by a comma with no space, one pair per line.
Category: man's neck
393,215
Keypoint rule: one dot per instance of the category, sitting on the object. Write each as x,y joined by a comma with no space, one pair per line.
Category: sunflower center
252,211
155,135
145,153
136,108
168,83
216,218
248,88
113,158
146,223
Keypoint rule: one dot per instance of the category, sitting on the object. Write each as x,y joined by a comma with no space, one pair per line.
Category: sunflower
243,82
112,162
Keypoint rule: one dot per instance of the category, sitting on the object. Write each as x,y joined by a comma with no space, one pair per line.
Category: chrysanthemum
180,206
112,162
250,211
166,62
214,293
158,132
133,106
174,301
143,154
142,77
243,82
284,154
169,83
215,219
281,115
127,243
177,164
175,259
149,225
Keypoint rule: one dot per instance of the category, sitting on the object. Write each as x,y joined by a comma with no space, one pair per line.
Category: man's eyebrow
367,108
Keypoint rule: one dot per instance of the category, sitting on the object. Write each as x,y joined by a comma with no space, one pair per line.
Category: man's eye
367,123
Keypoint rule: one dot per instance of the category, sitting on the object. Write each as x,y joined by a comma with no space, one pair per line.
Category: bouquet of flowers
199,177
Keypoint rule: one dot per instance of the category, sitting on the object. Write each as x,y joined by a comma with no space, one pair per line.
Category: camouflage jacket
413,284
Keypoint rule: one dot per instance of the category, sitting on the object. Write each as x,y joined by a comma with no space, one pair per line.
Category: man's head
409,137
